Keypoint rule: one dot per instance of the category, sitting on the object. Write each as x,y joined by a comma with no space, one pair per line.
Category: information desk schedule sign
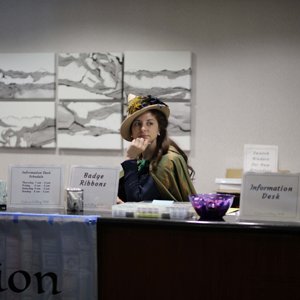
30,185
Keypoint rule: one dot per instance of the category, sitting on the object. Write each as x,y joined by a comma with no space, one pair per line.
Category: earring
158,133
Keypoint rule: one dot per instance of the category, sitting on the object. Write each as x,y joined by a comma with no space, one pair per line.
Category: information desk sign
99,184
270,196
35,185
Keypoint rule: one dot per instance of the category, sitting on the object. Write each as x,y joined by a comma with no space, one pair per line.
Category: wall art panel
29,124
180,123
27,76
164,74
86,76
89,125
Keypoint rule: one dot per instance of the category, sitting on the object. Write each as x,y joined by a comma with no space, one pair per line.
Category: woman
155,167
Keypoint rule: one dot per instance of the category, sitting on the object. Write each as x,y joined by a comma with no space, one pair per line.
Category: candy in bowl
211,206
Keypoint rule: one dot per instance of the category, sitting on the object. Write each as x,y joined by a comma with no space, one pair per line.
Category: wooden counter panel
162,261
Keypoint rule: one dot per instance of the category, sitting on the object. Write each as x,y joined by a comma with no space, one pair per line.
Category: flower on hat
139,102
134,105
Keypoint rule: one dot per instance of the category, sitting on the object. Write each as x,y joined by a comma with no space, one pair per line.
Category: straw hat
137,105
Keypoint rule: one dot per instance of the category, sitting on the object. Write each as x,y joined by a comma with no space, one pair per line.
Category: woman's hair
164,142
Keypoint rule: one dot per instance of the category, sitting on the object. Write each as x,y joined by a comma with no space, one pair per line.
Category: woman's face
145,126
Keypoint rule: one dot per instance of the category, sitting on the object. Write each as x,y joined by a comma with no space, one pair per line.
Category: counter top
228,222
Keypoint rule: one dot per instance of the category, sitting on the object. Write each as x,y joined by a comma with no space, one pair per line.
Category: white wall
246,68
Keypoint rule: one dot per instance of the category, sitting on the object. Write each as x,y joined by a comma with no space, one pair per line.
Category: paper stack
176,210
229,185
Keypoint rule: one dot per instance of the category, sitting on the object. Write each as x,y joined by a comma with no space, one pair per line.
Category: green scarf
172,177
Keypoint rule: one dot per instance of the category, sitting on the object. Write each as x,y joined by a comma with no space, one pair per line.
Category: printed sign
32,185
99,184
270,196
260,158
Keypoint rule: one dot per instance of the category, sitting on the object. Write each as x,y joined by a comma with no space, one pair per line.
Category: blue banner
48,257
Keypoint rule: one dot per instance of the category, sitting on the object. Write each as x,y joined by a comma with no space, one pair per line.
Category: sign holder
99,184
260,158
270,196
35,186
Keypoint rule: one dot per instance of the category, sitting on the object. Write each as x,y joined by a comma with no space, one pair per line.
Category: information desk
154,259
53,256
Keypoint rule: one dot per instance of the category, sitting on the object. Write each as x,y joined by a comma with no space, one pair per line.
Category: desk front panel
168,260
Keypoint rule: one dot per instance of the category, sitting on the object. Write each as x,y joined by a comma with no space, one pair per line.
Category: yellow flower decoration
135,104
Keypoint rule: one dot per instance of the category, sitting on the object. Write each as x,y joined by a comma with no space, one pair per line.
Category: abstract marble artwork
89,125
164,74
179,128
90,92
86,76
27,124
27,75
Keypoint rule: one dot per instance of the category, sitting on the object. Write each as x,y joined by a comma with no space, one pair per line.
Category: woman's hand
136,147
119,201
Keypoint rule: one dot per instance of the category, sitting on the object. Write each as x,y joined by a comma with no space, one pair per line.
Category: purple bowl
211,206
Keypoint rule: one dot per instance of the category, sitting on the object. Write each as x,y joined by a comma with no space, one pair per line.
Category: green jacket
172,177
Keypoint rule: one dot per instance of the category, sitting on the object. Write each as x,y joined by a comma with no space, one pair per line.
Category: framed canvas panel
29,124
27,76
86,76
179,128
89,125
164,74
